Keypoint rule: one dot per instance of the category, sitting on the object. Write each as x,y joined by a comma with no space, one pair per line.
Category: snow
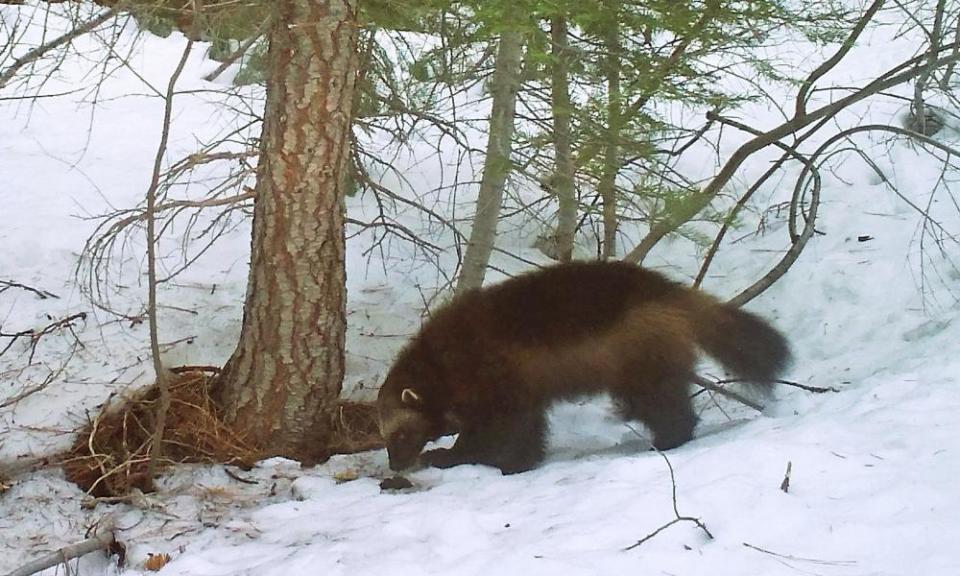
873,488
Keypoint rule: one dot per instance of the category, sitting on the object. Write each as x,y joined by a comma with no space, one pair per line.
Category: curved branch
789,151
798,245
829,64
903,72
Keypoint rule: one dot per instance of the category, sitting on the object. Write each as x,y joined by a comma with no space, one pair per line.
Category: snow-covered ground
873,488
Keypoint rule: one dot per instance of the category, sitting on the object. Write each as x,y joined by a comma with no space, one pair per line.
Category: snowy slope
874,467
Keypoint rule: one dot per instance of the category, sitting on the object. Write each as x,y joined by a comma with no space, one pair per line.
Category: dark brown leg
511,442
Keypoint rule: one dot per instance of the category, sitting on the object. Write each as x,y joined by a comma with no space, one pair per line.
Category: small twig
676,510
814,389
29,391
716,387
38,52
237,477
10,470
785,485
35,335
808,388
101,539
42,294
198,368
651,535
134,497
52,376
799,559
164,346
248,43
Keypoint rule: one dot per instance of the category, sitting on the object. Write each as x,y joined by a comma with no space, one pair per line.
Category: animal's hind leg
663,405
512,442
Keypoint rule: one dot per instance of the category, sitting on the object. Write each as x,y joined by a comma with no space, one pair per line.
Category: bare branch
800,242
36,334
42,294
229,60
676,511
900,74
102,538
789,151
40,51
830,63
808,388
785,485
716,387
799,559
157,448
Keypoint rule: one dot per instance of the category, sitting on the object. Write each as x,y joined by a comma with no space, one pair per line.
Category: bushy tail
742,342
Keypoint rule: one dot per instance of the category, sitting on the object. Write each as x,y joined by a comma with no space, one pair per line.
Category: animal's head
405,424
413,407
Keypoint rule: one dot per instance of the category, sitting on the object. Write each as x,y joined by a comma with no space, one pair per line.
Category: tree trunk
564,170
607,187
505,85
283,380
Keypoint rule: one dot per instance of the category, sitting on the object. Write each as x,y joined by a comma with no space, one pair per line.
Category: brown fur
491,362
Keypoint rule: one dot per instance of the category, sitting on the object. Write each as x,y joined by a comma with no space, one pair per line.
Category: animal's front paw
439,458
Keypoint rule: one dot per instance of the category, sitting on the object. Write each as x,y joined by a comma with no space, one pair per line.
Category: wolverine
489,364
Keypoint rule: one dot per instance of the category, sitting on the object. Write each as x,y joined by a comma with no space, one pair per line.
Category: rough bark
564,170
284,377
505,84
607,186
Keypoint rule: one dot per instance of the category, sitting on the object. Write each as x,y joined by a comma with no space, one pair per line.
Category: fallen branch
807,387
799,559
814,389
102,538
785,485
237,477
719,389
35,334
9,470
26,392
42,294
676,511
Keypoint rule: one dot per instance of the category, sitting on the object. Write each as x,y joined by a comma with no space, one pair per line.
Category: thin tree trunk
505,85
564,170
284,377
919,111
607,187
156,450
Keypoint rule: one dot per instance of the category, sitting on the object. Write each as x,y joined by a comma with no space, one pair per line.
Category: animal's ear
410,397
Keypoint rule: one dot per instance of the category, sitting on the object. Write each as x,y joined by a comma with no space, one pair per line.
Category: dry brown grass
355,429
111,454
